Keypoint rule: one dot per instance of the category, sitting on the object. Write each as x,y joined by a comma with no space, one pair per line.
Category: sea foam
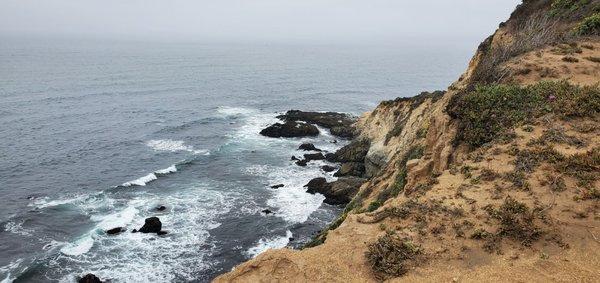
266,244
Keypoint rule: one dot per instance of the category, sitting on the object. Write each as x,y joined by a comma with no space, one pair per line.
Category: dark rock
308,146
327,168
291,239
343,132
151,225
290,129
317,185
331,157
294,158
351,169
89,278
161,208
277,186
342,123
267,211
353,152
160,233
115,231
134,231
302,162
339,192
314,156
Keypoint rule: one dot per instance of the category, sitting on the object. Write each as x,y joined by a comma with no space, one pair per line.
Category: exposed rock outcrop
151,225
290,129
338,192
89,278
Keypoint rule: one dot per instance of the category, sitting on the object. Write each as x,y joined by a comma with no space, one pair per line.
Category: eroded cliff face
524,206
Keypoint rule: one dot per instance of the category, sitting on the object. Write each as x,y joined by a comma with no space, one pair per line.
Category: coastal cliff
496,178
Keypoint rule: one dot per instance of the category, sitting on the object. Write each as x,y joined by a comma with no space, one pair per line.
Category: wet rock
115,231
151,225
277,186
267,211
327,168
351,169
302,162
353,152
340,124
339,192
331,157
161,208
317,185
290,129
89,278
294,158
314,156
308,147
160,233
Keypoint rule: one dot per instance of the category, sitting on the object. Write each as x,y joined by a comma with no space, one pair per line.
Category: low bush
391,256
589,25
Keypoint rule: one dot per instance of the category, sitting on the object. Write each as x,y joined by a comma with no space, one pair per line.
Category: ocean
95,134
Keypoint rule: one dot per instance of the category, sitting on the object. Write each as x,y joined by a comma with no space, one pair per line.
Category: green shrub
490,111
589,25
374,206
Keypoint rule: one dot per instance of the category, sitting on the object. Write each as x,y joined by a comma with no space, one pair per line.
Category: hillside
496,178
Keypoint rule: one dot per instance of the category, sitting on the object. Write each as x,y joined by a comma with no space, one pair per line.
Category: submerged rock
161,208
277,186
89,278
151,225
267,211
308,147
290,129
302,162
115,231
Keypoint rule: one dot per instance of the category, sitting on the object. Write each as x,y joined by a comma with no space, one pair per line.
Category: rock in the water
339,192
151,225
308,147
327,168
161,208
353,152
340,124
317,185
351,169
267,211
290,129
330,157
162,233
115,231
314,156
277,186
294,158
302,162
89,278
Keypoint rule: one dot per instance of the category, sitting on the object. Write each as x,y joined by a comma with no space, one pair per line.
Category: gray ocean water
97,134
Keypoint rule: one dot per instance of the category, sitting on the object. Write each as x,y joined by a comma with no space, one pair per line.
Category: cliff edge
497,178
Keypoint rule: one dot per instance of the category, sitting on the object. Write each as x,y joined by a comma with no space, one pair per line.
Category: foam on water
174,146
17,228
168,170
142,181
79,247
271,243
234,111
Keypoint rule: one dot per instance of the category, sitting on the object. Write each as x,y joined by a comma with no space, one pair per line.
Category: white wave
120,219
233,111
141,181
174,146
81,246
17,228
44,202
170,169
266,244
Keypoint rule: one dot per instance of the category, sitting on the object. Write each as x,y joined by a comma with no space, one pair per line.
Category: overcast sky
265,20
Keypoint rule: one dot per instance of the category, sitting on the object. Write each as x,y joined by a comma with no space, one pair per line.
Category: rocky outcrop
314,156
327,168
308,147
89,278
115,231
339,124
351,169
151,225
338,192
290,129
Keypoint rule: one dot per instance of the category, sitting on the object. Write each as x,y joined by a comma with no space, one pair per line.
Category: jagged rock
115,231
277,186
353,152
151,225
290,129
302,162
351,169
308,147
327,168
267,211
161,208
89,278
314,156
339,192
339,124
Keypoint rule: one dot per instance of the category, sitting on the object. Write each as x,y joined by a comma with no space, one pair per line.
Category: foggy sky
268,20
